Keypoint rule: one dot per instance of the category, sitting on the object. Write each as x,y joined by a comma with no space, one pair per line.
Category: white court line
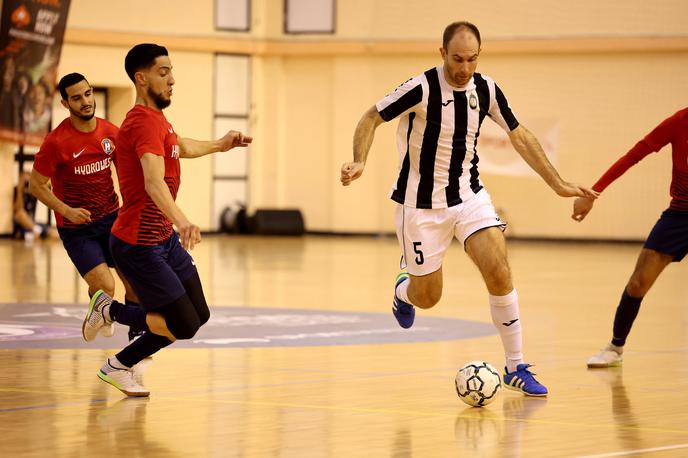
635,452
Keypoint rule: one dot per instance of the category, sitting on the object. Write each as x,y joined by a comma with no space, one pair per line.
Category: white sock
402,291
113,364
504,310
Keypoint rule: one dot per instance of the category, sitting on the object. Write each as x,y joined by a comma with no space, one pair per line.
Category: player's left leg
666,243
100,278
101,234
487,249
649,266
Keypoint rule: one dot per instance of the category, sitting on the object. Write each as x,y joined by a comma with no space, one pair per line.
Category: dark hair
69,81
142,56
454,27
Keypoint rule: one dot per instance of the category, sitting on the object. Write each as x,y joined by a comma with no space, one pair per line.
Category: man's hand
350,172
566,189
233,139
189,234
78,215
581,208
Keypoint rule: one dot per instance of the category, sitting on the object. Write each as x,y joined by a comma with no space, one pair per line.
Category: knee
97,280
203,316
107,287
498,280
427,298
184,330
637,286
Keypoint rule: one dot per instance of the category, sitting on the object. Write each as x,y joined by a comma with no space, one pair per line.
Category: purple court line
49,406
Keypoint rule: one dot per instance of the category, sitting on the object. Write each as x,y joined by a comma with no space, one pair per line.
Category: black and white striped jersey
437,136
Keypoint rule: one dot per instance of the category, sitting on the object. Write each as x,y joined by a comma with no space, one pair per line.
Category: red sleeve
148,137
654,141
661,135
47,158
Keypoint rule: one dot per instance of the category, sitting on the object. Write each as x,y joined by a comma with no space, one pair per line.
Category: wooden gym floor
260,383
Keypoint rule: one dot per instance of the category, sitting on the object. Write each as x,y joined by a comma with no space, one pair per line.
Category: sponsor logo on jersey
108,146
175,151
79,153
94,167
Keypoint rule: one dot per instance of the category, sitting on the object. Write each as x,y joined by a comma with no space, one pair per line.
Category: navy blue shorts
670,234
156,273
89,246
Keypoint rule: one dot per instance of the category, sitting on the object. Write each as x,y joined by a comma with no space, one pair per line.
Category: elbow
34,188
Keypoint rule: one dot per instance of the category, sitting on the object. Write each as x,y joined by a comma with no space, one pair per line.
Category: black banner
31,35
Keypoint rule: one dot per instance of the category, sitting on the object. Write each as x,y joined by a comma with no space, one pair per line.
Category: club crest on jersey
175,151
473,101
108,146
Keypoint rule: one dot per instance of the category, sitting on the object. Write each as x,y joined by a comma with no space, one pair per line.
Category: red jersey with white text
672,130
140,221
78,165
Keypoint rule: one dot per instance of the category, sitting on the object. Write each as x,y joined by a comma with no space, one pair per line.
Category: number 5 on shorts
416,249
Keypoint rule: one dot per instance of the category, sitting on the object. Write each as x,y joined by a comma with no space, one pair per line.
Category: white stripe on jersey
437,135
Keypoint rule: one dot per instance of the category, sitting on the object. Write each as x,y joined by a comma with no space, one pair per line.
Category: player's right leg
130,298
481,231
424,236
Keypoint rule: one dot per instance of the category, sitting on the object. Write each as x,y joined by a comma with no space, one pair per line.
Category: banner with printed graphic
498,156
31,34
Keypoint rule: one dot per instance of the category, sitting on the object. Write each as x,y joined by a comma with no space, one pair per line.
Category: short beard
160,102
84,117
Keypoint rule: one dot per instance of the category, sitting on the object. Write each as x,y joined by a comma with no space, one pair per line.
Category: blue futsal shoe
524,381
404,312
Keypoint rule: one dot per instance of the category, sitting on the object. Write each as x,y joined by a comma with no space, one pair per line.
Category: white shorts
425,234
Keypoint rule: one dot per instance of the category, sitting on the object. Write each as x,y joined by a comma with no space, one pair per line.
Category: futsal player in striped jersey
144,244
668,239
75,159
439,192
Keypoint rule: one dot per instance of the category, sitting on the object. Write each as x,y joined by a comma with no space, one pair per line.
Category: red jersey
672,130
78,165
140,221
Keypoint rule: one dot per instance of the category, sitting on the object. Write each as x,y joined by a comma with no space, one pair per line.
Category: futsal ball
477,383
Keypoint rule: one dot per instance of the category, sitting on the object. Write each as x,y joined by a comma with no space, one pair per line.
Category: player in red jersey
143,242
75,158
668,240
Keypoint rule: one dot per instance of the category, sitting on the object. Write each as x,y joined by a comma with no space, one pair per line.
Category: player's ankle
616,348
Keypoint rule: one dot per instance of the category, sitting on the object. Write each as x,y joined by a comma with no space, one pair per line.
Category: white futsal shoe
95,319
607,357
122,379
108,330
